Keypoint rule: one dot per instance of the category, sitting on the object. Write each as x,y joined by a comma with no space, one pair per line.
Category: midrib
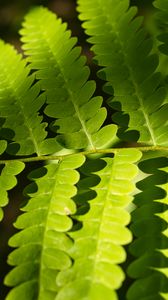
72,97
71,93
105,210
41,288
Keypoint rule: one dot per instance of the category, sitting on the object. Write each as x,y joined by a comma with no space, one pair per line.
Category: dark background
12,13
11,16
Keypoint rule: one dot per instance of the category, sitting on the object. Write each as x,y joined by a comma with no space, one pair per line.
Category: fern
94,272
150,267
20,102
79,117
124,52
93,224
43,244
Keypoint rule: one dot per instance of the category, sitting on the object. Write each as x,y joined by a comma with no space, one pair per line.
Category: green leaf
97,249
43,244
149,225
124,52
63,75
20,101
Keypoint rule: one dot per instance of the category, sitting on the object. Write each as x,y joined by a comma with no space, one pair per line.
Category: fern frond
97,245
63,75
150,220
123,50
42,242
19,105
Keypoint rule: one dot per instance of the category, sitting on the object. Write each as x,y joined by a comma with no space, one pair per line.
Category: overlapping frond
162,15
123,50
63,75
98,244
149,225
20,102
42,243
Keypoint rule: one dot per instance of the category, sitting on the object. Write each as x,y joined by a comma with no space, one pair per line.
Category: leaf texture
20,102
63,75
8,180
42,243
98,244
123,50
149,225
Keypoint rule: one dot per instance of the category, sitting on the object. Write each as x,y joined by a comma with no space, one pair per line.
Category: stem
87,152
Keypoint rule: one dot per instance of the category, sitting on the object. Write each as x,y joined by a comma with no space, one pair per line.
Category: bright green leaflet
8,177
8,181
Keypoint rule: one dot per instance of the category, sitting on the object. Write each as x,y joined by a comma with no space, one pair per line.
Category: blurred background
11,17
12,13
